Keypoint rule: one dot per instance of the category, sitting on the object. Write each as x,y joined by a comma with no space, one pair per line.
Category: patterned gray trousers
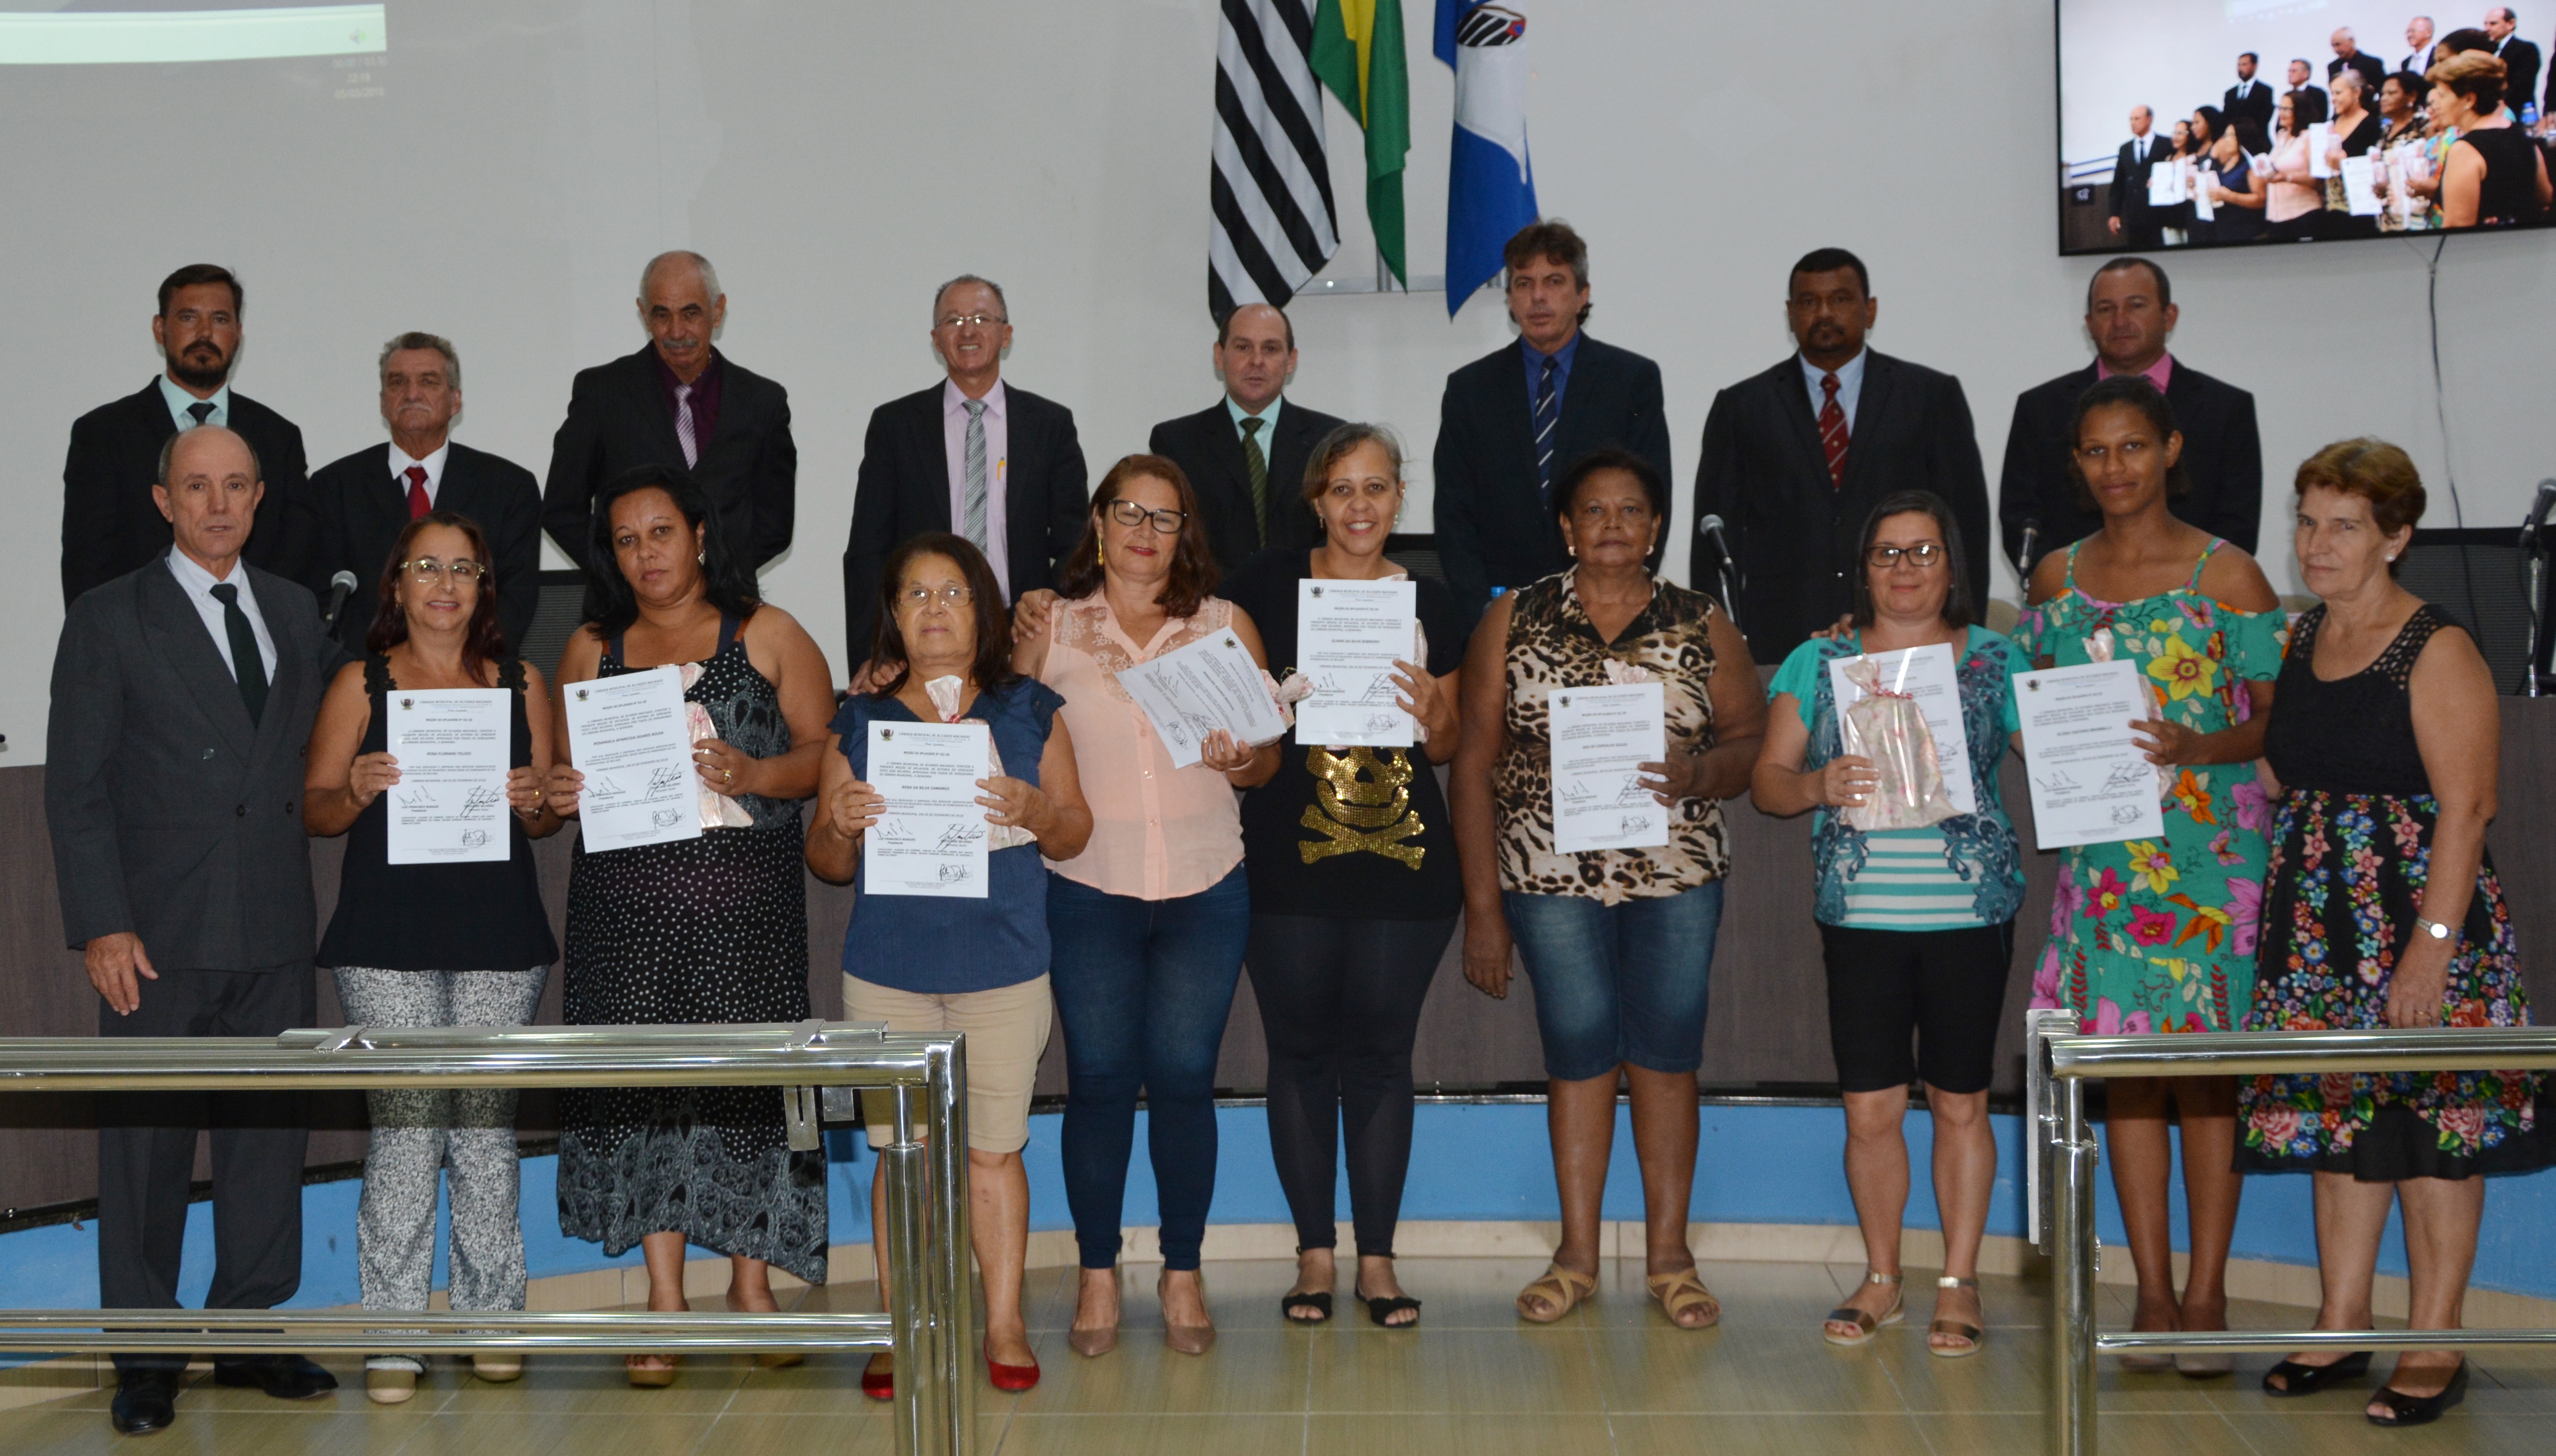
465,1133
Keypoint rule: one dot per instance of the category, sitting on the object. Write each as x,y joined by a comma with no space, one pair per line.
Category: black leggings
1339,1003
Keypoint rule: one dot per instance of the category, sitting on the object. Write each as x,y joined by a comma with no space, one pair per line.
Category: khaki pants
1006,1030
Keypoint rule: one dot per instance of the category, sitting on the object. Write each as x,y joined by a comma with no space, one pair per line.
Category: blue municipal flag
1490,185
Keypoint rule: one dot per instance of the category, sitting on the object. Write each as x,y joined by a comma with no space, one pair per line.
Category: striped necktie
1256,465
975,473
1833,431
683,426
1548,414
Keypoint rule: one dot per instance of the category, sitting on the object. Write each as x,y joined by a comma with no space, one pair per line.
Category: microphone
340,586
1712,526
1728,569
2023,557
2538,512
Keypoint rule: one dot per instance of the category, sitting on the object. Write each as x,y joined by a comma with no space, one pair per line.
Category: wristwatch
2433,928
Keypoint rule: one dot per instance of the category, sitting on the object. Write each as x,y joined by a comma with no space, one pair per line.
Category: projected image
2210,123
160,32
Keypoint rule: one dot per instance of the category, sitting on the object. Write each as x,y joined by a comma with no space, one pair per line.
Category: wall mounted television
2251,137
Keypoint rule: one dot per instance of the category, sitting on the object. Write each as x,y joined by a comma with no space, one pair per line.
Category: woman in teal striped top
1916,925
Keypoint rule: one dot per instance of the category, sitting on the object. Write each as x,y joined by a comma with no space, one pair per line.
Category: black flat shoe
2307,1379
1379,1312
1319,1300
2405,1410
285,1377
145,1401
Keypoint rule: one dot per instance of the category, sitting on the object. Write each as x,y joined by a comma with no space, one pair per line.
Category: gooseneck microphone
2538,509
339,587
1727,569
2023,553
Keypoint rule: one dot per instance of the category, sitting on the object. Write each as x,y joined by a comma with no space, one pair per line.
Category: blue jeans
1621,982
1143,988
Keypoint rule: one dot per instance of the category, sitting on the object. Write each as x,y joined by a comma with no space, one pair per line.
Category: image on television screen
2218,123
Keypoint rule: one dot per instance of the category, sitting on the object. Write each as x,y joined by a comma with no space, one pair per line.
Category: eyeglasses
913,598
961,320
1165,523
427,570
1921,556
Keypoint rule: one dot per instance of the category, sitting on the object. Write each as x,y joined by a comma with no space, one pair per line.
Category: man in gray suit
184,691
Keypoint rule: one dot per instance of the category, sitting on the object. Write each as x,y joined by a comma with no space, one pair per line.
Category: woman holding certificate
402,956
1149,921
2158,934
964,948
2384,911
1916,925
692,910
1607,715
1354,889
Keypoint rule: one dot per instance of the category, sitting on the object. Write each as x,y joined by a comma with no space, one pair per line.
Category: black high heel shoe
2408,1409
2307,1379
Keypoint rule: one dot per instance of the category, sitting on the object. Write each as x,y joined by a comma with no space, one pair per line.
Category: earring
701,557
2391,555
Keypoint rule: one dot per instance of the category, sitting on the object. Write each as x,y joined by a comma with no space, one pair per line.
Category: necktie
1548,413
1832,430
246,665
1256,465
201,408
975,473
418,504
683,426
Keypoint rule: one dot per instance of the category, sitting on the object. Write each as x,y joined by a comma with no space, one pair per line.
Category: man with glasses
678,401
365,499
1246,454
973,455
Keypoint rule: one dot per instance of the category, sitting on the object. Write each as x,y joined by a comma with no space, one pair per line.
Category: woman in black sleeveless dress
702,930
403,958
2381,909
2495,175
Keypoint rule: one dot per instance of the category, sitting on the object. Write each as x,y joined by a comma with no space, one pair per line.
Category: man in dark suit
2520,58
1795,459
109,525
2308,101
1245,455
2130,314
366,500
2251,97
2133,220
678,402
2348,52
182,694
1511,422
970,455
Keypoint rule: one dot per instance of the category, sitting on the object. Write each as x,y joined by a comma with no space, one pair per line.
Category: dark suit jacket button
288,806
239,811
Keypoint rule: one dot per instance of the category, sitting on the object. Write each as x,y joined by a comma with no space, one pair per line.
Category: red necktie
418,504
1832,430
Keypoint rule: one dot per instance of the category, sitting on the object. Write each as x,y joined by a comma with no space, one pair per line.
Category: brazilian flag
1357,53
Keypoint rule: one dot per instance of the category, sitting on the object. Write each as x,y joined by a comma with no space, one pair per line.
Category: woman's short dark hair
482,643
2251,135
1334,448
2135,392
1956,568
1577,473
1193,575
992,667
610,606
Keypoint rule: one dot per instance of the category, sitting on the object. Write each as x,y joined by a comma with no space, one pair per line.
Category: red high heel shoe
1011,1379
878,1385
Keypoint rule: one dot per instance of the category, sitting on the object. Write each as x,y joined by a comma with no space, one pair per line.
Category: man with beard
1246,454
109,524
1796,458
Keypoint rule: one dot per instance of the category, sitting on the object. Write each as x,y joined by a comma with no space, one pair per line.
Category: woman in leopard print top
1616,942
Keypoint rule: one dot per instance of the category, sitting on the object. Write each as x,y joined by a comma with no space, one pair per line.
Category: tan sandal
652,1377
1971,1335
1559,1290
1864,1322
1682,1293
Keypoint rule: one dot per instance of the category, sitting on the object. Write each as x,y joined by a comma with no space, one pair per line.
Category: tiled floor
1614,1377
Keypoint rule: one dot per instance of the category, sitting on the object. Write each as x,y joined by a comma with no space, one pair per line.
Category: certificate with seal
1601,738
629,737
2092,783
1348,635
1191,692
930,839
450,803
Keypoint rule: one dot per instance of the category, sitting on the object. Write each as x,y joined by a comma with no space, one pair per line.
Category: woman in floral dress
2158,934
2384,911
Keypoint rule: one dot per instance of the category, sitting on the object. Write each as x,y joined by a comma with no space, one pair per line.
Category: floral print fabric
2159,934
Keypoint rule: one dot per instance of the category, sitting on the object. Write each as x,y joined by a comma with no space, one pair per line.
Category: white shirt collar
177,399
434,462
953,400
198,582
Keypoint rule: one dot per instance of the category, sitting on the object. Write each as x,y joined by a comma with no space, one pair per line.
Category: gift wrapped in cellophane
1887,730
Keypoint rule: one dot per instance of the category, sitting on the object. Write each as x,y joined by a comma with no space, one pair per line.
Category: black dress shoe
2307,1379
285,1377
145,1401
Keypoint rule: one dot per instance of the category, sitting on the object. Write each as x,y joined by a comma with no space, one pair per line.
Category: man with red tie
367,498
1795,459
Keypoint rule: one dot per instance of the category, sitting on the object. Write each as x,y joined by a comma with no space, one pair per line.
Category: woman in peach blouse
2294,201
1149,922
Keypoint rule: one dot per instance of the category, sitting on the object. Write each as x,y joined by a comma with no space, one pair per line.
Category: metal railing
819,1067
2059,1175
